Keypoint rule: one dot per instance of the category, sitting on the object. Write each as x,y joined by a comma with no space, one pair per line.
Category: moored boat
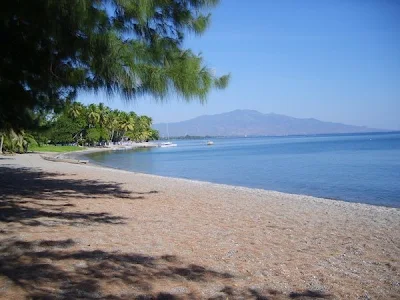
167,145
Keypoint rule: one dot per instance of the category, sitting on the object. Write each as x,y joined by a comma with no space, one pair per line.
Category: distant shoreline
279,136
89,150
249,122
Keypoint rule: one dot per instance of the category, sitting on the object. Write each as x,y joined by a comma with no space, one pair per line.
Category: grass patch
53,148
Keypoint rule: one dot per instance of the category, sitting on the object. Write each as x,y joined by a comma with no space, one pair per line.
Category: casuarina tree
51,49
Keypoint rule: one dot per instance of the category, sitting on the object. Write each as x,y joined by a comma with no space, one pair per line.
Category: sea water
356,168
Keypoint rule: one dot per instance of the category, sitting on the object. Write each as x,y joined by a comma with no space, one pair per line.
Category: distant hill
254,123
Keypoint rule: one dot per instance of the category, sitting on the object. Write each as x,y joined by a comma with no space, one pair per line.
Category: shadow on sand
63,269
47,270
47,194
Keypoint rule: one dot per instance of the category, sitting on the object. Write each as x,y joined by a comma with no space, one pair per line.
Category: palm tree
127,123
93,115
144,128
113,123
103,112
17,143
154,134
75,110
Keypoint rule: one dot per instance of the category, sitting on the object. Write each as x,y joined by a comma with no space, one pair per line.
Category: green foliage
64,130
31,141
53,48
154,134
93,135
41,136
94,124
15,141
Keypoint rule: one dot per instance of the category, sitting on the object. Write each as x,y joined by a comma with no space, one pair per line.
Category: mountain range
254,123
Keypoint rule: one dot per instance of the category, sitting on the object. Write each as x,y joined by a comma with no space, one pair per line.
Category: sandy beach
73,231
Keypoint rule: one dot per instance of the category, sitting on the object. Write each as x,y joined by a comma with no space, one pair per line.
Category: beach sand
76,231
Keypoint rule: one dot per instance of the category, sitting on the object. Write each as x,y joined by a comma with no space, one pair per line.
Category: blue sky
334,60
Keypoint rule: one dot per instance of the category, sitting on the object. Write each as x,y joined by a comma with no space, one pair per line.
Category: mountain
251,122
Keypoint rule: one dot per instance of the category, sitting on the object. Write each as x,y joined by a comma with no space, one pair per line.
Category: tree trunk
1,144
112,136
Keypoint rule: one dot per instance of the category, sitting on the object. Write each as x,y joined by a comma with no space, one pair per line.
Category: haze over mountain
251,123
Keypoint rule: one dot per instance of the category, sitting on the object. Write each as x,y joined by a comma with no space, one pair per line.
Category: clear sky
334,60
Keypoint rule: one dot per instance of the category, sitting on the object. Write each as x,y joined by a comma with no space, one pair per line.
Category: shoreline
77,155
240,188
152,235
222,186
210,184
89,150
74,156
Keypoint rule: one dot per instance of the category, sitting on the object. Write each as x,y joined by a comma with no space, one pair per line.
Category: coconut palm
104,113
75,110
15,141
93,123
143,131
93,115
113,124
127,123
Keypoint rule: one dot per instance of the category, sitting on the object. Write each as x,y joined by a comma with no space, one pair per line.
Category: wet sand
76,231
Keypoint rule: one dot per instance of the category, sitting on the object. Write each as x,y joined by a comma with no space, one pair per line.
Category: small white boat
209,143
167,145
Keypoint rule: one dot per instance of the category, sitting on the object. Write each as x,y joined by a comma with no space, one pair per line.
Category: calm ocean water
355,168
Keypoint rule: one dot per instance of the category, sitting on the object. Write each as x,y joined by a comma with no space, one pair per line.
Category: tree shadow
228,292
37,198
41,185
60,269
49,269
309,294
56,269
